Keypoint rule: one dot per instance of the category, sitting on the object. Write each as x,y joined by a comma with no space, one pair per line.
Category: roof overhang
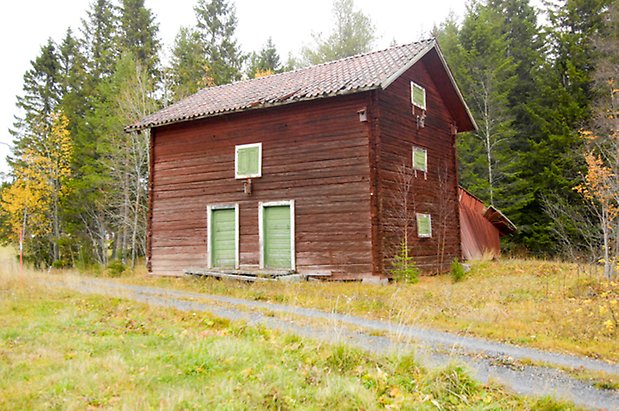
499,220
138,127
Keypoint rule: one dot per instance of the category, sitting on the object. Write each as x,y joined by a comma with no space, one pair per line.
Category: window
418,96
424,225
248,160
420,159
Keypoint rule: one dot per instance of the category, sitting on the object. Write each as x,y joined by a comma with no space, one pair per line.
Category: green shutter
424,225
419,159
419,95
248,161
223,238
277,250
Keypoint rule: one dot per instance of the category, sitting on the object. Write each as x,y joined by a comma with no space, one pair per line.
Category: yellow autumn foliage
263,73
40,176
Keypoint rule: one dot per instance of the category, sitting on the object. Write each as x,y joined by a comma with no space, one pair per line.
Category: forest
540,82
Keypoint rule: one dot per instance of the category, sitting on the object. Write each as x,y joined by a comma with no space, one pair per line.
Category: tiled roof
349,75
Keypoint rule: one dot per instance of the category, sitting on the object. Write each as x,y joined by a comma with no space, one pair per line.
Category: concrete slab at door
277,242
223,240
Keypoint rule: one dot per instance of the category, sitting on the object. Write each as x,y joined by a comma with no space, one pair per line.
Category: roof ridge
367,53
300,69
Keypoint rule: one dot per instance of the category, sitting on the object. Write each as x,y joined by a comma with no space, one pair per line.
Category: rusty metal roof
481,227
346,76
499,220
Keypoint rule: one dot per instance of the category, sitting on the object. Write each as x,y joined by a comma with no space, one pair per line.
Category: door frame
209,233
261,207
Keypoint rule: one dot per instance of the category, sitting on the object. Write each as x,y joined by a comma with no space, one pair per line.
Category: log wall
315,153
434,192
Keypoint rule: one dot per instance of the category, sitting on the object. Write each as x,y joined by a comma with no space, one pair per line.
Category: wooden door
277,237
223,238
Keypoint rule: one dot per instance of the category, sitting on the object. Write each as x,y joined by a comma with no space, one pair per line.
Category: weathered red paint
339,170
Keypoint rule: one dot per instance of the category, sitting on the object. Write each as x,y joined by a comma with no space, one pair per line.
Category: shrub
457,271
403,267
115,268
61,264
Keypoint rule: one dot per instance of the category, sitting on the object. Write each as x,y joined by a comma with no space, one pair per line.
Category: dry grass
61,350
548,305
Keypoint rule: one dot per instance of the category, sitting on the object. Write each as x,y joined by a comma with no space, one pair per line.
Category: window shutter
248,161
420,159
424,225
418,95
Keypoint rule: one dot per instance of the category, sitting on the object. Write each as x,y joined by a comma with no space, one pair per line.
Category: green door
223,238
277,251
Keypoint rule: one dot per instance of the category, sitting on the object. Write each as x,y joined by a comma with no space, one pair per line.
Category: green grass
61,350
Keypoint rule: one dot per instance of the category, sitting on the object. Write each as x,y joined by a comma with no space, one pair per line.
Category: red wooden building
304,171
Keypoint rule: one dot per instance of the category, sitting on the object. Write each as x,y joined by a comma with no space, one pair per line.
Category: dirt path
488,360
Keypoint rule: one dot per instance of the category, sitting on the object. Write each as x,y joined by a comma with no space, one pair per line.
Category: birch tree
33,200
352,33
131,97
489,80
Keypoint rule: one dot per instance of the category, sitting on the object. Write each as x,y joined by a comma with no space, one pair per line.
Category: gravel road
488,360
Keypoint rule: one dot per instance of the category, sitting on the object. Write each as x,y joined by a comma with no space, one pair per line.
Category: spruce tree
560,106
42,92
487,76
216,25
138,34
187,70
72,80
99,31
267,61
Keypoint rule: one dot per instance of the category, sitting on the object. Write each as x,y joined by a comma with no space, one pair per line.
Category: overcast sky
25,25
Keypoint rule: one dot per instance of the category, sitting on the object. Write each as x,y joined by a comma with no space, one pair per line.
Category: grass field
548,305
61,350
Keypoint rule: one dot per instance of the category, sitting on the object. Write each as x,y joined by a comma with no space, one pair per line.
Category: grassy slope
63,350
534,303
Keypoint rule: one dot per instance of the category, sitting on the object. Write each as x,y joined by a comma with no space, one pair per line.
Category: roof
499,220
481,227
492,214
350,75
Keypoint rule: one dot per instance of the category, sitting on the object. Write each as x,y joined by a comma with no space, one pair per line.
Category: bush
457,271
403,267
61,264
115,268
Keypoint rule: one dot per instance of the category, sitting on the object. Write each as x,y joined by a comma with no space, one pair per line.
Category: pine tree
216,25
353,34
